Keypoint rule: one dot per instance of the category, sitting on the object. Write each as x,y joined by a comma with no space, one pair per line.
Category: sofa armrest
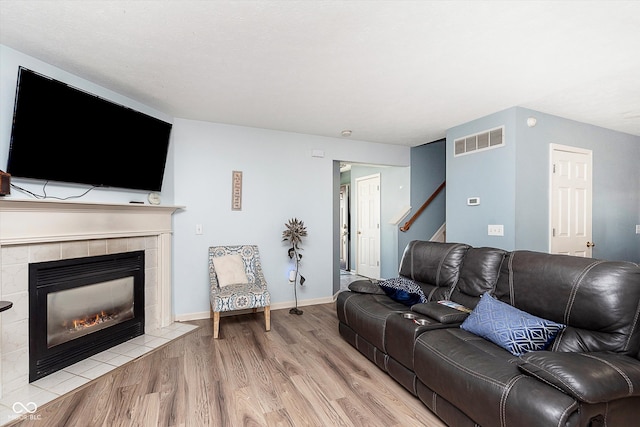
589,377
439,312
366,287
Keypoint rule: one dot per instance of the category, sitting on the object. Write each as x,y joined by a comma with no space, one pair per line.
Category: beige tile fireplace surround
37,231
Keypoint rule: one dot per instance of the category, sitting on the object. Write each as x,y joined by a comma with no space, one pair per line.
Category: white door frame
585,244
344,228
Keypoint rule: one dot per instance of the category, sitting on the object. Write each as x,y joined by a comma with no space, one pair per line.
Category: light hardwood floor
301,373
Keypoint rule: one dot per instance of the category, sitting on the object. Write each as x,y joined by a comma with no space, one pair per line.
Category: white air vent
492,138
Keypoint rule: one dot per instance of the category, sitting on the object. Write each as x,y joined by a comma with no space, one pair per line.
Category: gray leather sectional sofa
587,373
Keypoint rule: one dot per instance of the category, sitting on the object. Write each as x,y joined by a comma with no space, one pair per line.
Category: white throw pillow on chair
230,270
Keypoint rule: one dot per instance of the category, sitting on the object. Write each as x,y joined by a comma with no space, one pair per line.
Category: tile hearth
68,379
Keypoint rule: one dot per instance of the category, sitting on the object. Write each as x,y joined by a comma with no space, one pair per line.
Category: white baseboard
290,304
193,316
279,306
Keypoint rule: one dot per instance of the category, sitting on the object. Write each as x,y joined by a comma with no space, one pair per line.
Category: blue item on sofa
510,328
403,290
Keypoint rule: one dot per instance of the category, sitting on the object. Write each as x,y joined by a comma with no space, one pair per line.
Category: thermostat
473,201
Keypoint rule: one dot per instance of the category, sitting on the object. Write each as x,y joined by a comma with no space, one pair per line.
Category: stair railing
407,225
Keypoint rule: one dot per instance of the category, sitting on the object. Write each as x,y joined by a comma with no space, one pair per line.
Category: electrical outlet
198,228
495,230
638,229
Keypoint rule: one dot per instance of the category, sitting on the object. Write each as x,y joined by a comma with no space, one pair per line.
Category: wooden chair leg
267,318
216,323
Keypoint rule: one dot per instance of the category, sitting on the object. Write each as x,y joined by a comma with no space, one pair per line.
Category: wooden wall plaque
236,191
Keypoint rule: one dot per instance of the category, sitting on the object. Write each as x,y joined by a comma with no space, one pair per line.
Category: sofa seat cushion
483,380
367,314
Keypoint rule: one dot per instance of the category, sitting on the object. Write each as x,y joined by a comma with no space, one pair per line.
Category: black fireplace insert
79,307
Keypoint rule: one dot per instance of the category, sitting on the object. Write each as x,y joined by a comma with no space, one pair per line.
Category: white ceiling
399,72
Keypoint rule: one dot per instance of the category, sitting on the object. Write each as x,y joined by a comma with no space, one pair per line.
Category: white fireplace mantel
38,221
43,221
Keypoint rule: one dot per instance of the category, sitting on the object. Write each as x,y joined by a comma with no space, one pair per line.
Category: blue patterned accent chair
239,282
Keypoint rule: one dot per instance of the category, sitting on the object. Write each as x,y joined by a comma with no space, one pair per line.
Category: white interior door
368,226
570,207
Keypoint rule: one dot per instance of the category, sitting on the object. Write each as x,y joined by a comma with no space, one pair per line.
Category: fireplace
81,306
33,231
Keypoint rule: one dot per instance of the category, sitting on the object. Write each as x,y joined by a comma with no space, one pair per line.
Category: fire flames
90,321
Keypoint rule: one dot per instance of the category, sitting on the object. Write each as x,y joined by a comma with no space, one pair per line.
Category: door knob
590,244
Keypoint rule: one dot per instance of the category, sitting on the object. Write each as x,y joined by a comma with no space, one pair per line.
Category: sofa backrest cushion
599,301
478,274
436,266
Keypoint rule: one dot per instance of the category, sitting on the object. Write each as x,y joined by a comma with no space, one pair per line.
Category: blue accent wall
489,175
428,171
616,183
513,184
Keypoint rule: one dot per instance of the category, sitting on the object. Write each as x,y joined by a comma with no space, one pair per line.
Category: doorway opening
394,192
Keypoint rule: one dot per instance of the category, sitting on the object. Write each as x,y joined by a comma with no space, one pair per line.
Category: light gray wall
513,184
281,180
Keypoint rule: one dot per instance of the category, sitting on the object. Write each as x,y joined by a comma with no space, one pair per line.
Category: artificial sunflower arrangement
293,233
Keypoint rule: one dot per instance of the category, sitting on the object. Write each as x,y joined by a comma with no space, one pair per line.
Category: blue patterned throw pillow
403,290
510,328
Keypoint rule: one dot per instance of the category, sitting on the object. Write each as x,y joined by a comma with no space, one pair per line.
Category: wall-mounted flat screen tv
61,133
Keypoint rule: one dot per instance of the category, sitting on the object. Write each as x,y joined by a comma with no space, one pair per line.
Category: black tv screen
61,133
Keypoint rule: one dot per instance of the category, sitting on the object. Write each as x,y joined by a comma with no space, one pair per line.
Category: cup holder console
416,319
